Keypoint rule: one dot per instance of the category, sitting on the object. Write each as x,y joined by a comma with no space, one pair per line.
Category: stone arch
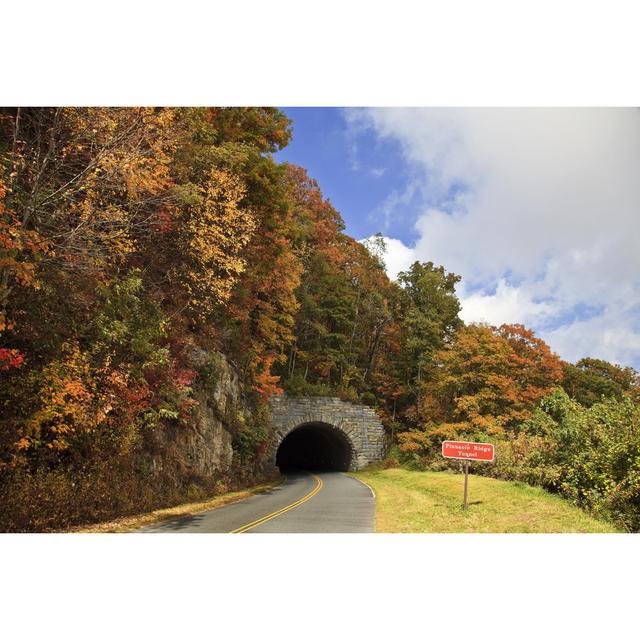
358,425
321,445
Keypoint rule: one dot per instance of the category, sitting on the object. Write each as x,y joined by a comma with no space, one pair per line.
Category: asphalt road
325,502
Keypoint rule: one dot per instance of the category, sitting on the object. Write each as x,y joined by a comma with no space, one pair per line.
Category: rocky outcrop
206,444
203,448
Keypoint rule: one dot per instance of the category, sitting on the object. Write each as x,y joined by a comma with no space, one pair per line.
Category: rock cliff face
206,443
202,450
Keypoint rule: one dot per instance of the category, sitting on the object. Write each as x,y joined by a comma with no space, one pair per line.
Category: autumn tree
89,180
259,318
344,313
137,223
20,251
488,381
427,309
214,229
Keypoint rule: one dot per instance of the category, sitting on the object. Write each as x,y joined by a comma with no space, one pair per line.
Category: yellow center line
279,512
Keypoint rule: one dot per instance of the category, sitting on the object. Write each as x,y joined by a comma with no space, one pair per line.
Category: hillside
431,502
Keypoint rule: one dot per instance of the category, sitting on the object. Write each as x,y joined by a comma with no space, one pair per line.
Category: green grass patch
431,502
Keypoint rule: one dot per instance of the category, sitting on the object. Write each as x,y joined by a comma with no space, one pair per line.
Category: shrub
590,455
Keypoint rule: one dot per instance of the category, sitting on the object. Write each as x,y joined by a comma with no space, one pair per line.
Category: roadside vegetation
589,455
431,502
136,522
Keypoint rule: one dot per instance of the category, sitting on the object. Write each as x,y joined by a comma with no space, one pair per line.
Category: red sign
468,450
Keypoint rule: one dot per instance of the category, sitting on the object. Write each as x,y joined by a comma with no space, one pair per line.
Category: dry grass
132,523
431,502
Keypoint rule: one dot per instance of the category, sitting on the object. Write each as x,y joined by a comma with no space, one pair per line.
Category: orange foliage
491,378
20,249
65,403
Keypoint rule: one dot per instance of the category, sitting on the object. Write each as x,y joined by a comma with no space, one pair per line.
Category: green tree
429,321
591,379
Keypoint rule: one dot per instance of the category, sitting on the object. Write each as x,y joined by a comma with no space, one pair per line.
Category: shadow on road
187,522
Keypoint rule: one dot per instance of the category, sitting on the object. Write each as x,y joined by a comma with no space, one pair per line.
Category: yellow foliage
66,402
218,228
116,171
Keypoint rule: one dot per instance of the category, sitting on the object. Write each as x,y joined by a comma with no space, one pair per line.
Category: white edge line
373,493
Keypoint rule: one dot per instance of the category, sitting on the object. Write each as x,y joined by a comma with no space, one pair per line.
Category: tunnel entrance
315,446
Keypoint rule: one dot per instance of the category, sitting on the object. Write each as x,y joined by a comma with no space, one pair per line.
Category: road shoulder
133,523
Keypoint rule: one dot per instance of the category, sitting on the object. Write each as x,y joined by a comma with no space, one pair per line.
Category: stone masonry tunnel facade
354,431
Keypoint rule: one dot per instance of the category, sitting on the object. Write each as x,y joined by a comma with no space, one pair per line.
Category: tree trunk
374,350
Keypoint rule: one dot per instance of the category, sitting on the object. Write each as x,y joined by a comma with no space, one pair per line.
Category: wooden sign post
466,483
467,451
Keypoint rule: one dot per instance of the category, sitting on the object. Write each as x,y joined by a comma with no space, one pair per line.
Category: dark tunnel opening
314,447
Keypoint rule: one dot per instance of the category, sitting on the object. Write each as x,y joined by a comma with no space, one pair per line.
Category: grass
431,502
131,523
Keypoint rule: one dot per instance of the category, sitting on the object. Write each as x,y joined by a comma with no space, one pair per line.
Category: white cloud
508,304
398,257
610,335
537,209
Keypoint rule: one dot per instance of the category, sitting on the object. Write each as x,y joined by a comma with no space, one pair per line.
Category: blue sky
357,171
537,209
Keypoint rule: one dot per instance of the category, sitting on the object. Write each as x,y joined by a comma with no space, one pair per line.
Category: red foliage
185,377
10,359
164,222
